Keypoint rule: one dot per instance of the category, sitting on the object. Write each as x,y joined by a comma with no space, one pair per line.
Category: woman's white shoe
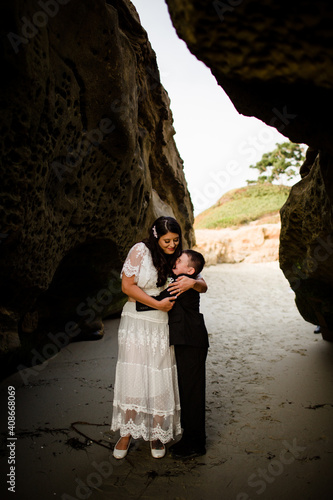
157,452
118,454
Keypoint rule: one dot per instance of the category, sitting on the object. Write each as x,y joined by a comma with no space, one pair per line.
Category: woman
146,397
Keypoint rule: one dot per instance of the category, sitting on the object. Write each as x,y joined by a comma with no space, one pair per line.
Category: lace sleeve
133,261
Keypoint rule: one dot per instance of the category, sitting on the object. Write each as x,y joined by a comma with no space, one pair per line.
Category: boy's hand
182,284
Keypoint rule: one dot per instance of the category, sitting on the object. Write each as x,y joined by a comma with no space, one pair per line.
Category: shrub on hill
241,206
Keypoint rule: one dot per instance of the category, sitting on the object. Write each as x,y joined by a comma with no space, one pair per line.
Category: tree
286,159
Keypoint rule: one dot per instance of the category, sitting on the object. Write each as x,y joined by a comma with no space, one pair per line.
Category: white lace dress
146,398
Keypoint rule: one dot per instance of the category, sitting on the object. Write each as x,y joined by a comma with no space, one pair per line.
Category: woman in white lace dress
146,398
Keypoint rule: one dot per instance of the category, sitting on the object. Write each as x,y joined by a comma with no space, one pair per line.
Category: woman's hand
182,284
166,304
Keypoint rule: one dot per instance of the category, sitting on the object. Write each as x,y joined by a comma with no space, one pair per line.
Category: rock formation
88,161
306,249
250,243
274,60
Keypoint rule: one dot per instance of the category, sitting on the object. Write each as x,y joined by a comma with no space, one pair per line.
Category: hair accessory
155,232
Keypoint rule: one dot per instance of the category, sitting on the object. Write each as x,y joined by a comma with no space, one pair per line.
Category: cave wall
88,160
306,247
274,60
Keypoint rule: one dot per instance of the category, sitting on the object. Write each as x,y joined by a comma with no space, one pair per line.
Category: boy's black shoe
186,450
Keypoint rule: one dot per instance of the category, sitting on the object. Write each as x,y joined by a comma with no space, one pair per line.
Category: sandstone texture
252,244
274,60
306,248
88,161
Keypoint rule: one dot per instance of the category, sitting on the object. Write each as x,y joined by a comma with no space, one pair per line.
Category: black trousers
191,368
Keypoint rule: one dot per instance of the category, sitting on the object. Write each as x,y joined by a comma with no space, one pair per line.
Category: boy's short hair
196,260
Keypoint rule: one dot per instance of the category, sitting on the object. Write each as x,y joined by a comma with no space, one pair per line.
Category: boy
189,336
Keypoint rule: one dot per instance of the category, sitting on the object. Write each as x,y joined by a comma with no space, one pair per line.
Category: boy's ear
191,270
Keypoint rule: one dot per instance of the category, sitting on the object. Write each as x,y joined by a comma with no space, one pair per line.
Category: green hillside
241,206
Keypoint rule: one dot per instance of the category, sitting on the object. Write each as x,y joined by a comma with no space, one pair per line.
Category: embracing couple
162,347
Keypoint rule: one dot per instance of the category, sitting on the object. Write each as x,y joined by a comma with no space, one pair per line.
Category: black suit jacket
186,323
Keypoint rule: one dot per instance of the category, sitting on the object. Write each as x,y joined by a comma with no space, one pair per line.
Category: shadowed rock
88,161
306,247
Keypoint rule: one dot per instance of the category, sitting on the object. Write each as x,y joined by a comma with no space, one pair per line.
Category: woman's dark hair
163,262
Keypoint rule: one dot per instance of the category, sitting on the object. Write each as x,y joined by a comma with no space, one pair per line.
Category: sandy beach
269,409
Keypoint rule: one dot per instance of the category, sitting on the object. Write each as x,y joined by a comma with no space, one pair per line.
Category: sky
216,143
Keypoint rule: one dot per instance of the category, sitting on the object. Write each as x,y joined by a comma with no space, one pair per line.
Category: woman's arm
200,285
184,283
130,288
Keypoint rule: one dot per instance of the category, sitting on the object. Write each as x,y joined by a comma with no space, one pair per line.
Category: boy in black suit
189,336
